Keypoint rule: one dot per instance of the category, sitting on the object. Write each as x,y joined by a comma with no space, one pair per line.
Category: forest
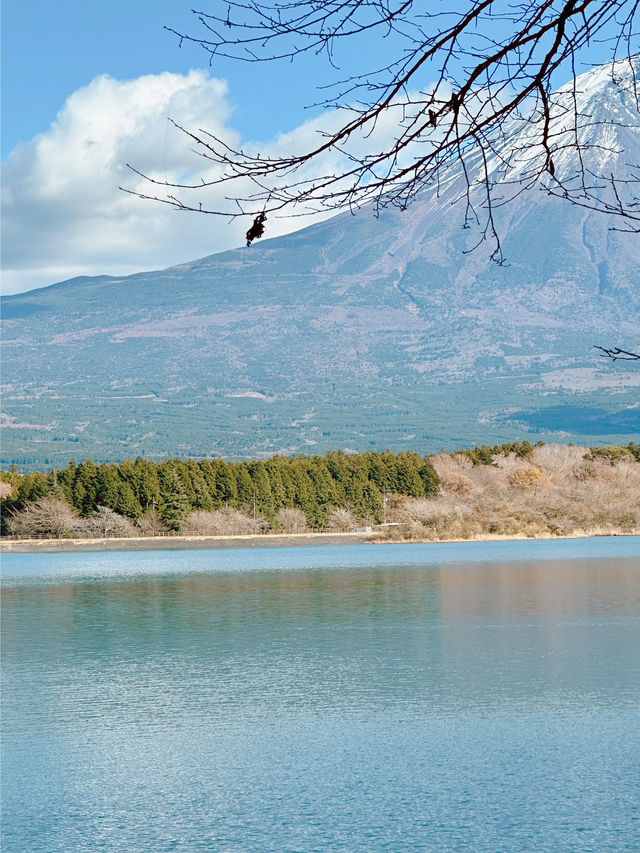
510,489
165,494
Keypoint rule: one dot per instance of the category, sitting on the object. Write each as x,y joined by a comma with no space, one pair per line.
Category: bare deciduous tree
225,522
438,515
106,522
292,520
342,519
150,524
556,490
45,517
453,89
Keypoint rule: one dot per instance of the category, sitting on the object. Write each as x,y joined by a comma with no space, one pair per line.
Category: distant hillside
358,333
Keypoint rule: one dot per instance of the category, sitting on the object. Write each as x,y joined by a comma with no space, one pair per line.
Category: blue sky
63,215
50,49
88,87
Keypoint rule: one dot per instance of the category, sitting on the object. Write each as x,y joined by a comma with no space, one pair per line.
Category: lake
435,697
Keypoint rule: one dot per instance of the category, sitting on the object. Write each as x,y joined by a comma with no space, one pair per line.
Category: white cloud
63,214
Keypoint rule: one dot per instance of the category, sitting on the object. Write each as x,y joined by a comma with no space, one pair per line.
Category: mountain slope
357,333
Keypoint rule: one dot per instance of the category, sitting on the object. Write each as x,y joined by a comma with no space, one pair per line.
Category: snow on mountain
358,332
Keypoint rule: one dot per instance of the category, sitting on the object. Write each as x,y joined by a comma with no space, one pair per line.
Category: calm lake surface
463,697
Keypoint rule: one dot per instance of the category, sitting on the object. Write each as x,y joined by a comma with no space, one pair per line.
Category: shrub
528,477
611,453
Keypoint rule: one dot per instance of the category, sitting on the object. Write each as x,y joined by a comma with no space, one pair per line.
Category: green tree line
175,487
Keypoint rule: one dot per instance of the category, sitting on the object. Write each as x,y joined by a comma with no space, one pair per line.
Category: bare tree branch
458,88
616,354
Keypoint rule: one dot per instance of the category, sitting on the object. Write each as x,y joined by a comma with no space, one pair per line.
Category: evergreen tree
66,478
263,497
285,469
305,496
315,485
32,487
56,489
174,503
226,487
278,492
127,472
202,496
126,501
327,494
408,480
370,502
182,469
145,483
429,477
208,471
107,486
85,488
244,486
382,471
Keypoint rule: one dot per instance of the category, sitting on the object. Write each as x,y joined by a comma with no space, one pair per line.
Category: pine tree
146,484
226,487
244,486
174,504
203,499
262,496
85,487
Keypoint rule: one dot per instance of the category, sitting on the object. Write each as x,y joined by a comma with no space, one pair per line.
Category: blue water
467,697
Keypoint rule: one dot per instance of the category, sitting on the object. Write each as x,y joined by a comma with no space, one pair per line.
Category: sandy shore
166,543
269,540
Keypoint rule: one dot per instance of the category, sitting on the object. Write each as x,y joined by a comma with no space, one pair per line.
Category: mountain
356,333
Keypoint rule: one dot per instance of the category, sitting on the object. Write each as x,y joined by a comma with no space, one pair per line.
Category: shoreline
175,543
261,540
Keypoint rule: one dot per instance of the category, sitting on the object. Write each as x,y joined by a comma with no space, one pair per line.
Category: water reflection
330,709
325,640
